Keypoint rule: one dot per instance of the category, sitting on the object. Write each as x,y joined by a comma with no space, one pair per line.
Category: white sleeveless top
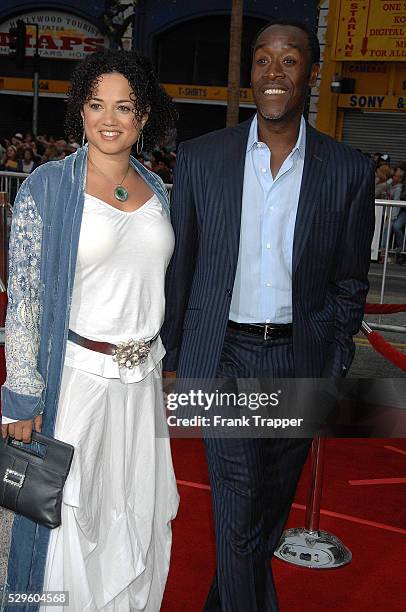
118,290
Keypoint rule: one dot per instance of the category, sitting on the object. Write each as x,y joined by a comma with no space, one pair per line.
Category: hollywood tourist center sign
61,35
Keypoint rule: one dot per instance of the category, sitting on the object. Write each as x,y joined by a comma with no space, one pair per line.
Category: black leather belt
269,331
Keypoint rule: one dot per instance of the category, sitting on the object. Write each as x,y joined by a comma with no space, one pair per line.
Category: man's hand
22,430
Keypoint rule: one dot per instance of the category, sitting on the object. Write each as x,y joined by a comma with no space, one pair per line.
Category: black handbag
32,477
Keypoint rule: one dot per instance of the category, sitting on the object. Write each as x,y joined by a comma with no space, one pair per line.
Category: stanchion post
309,546
312,520
385,262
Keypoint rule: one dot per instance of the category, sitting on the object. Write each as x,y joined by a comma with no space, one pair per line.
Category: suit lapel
316,158
234,148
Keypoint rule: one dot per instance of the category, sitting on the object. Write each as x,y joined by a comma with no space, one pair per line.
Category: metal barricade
11,182
390,244
390,248
4,224
3,261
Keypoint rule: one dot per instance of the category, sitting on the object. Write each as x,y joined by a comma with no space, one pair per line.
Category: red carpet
369,518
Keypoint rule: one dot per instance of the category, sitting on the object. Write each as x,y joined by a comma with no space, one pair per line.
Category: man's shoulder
342,151
216,138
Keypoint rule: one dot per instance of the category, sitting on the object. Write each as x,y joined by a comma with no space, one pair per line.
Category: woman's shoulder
49,173
48,169
154,181
48,183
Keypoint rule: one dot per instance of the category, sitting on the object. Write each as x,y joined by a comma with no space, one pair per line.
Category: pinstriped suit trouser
253,482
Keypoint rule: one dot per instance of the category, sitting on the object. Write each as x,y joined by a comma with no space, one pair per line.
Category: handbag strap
13,481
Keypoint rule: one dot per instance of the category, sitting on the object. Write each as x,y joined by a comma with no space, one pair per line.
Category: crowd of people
390,184
24,153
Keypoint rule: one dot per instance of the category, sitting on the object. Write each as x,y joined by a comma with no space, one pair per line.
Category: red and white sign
61,35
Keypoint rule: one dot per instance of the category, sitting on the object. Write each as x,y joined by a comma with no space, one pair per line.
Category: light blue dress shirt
262,290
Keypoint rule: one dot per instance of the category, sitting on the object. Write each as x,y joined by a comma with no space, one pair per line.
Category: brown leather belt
269,331
126,354
92,345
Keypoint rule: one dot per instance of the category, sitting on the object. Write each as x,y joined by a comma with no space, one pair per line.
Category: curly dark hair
148,95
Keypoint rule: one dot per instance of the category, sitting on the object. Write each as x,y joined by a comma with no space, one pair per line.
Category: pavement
367,362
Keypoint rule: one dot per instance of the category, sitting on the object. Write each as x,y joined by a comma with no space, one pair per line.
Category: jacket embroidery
23,313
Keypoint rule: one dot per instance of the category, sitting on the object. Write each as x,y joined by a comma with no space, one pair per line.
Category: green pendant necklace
120,192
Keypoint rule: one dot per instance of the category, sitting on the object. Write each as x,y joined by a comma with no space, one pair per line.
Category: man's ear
314,75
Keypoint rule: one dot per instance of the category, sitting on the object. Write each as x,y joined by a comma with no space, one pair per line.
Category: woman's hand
22,430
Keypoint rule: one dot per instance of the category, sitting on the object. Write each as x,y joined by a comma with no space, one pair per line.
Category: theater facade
187,42
362,96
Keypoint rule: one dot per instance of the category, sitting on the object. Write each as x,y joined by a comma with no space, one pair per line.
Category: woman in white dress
112,550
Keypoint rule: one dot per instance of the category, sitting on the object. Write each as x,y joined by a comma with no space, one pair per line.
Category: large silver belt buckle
131,353
266,330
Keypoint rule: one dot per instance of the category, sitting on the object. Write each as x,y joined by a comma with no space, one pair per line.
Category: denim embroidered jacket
44,241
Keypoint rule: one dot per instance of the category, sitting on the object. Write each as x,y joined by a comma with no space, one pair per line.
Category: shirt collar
300,143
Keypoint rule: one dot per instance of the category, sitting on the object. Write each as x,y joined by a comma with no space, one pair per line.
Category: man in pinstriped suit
273,223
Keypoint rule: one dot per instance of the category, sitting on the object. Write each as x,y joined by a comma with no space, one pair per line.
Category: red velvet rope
384,308
387,350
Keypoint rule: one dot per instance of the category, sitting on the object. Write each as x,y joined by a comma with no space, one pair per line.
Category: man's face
281,72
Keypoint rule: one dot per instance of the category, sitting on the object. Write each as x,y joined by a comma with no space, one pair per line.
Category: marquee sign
371,30
61,35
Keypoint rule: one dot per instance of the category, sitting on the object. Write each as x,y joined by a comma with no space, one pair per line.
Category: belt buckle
266,331
131,353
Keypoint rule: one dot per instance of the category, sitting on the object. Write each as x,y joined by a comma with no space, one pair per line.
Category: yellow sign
182,92
371,30
45,85
372,102
203,92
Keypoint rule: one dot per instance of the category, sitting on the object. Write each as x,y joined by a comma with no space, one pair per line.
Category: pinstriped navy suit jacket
331,252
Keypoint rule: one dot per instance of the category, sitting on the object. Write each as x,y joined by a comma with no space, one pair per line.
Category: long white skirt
112,550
